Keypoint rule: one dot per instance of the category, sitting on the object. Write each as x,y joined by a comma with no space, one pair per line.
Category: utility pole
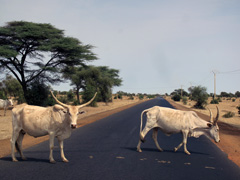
214,72
181,90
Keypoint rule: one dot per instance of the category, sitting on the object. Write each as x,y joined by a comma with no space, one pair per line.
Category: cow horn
83,105
216,119
211,116
64,105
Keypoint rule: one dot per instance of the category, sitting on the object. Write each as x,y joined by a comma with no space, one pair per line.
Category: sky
157,45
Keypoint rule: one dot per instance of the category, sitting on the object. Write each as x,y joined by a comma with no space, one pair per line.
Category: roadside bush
200,95
176,97
131,97
238,107
120,96
214,101
229,114
184,99
141,96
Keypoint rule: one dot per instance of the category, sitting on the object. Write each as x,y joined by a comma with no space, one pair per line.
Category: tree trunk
78,98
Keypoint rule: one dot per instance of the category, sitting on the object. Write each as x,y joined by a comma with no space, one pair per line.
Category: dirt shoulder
229,135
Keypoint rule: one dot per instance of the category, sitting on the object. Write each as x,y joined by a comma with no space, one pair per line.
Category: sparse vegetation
214,101
200,95
184,100
229,114
238,107
176,97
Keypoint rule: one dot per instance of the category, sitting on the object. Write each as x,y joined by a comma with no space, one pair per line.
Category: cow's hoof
65,160
175,149
14,160
139,150
52,161
24,158
187,152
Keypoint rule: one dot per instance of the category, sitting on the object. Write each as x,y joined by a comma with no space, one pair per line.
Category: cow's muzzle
73,126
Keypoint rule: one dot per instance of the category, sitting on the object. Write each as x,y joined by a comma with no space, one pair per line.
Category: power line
228,72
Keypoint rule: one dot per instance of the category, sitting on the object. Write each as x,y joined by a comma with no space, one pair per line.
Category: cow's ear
58,107
209,124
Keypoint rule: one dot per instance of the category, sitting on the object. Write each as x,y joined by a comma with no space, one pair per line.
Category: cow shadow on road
28,160
165,150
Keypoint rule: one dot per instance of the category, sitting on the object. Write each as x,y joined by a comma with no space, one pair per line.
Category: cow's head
10,102
72,112
214,129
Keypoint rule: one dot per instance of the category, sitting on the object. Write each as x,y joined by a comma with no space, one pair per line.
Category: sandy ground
229,134
229,127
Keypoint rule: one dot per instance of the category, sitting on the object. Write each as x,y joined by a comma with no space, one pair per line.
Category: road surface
106,150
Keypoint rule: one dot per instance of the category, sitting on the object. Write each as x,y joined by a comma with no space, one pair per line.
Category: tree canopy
33,51
91,79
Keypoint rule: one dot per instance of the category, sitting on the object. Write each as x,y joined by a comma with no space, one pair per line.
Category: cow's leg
19,144
154,136
5,109
185,136
61,150
184,143
180,145
15,135
142,135
139,146
51,146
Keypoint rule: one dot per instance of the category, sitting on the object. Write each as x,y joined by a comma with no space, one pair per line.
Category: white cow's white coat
171,121
5,104
56,121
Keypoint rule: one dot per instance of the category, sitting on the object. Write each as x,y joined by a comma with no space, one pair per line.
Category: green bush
120,96
229,114
184,100
131,97
238,107
200,95
176,97
214,101
141,96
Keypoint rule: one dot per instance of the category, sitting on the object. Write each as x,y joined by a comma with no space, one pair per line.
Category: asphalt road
106,150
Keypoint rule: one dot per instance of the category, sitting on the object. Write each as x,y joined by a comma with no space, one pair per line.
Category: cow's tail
141,134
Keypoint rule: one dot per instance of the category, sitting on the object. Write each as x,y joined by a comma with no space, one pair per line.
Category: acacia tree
39,51
200,95
91,79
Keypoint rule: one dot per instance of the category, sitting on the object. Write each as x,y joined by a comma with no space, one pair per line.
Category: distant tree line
131,96
200,95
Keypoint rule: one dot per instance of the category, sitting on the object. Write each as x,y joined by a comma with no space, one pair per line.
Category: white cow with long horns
55,121
171,121
5,104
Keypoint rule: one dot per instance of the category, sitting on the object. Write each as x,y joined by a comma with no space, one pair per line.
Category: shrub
214,101
238,107
184,99
176,97
200,95
141,96
120,96
229,114
131,97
